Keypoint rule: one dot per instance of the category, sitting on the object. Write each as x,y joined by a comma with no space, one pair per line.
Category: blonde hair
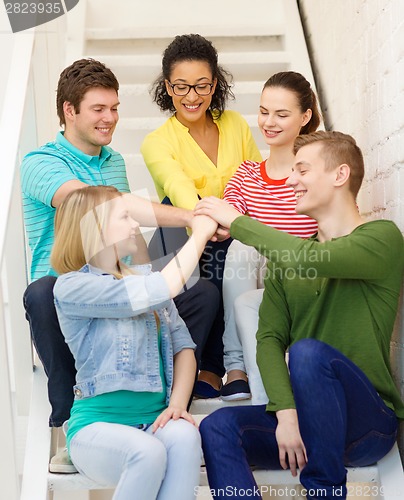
80,224
337,148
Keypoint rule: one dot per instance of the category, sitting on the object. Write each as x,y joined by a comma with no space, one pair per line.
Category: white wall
357,49
6,51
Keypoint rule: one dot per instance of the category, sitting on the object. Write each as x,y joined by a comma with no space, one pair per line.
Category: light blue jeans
163,466
243,272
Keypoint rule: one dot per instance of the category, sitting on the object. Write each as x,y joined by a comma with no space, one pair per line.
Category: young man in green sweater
332,301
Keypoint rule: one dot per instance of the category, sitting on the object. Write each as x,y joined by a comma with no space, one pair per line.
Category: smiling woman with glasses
193,155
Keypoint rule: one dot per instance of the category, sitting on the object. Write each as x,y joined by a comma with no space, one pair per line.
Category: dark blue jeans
211,267
165,242
57,360
342,419
197,307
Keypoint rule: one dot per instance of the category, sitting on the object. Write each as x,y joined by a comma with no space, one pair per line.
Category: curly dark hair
192,47
76,79
297,83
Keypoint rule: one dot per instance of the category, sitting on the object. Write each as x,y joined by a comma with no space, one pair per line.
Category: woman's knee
181,433
248,302
153,456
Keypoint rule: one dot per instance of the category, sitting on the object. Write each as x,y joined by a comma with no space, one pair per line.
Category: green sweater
343,292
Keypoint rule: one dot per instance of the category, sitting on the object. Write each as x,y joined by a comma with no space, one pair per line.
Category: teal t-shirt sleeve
42,175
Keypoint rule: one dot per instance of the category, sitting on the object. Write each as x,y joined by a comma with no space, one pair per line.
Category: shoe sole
198,396
62,469
236,397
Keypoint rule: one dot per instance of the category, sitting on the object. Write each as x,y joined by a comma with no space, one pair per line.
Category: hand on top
219,210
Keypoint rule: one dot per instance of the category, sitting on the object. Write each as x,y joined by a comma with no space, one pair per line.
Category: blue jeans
164,465
197,307
342,419
49,342
166,241
211,266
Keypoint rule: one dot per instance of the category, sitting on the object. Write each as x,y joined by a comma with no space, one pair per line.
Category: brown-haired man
332,301
87,106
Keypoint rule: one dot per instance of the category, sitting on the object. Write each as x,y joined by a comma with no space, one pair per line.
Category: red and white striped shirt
252,192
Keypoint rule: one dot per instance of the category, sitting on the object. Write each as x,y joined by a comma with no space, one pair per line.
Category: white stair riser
142,106
127,140
113,43
158,17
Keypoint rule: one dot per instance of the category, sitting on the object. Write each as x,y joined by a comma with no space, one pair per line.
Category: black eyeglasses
182,89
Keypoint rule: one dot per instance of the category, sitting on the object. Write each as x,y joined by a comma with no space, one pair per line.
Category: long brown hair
297,83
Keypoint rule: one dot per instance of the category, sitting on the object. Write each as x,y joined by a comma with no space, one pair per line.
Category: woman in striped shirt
288,107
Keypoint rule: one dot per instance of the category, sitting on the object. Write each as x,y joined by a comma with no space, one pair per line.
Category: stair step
136,101
226,58
207,406
223,44
132,131
72,482
139,176
167,33
162,19
245,66
142,89
152,122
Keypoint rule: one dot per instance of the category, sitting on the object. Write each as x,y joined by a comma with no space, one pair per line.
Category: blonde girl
129,424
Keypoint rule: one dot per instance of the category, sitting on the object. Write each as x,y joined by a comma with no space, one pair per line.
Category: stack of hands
218,211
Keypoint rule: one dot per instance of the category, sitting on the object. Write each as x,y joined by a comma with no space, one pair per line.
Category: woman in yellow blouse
194,153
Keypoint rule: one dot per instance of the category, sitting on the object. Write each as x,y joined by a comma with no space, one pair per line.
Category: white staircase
254,41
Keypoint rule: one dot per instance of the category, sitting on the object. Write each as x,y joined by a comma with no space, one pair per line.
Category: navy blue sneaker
235,391
203,390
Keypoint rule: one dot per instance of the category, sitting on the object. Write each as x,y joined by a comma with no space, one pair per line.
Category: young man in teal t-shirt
87,106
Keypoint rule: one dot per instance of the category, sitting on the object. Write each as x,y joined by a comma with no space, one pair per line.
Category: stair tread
69,482
153,122
153,32
241,87
152,59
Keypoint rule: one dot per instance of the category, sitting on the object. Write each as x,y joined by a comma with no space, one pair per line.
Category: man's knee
305,357
203,296
214,423
39,293
206,294
305,349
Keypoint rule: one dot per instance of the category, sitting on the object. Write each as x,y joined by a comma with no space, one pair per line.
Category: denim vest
110,328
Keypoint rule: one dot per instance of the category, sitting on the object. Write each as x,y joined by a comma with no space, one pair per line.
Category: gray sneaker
61,463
